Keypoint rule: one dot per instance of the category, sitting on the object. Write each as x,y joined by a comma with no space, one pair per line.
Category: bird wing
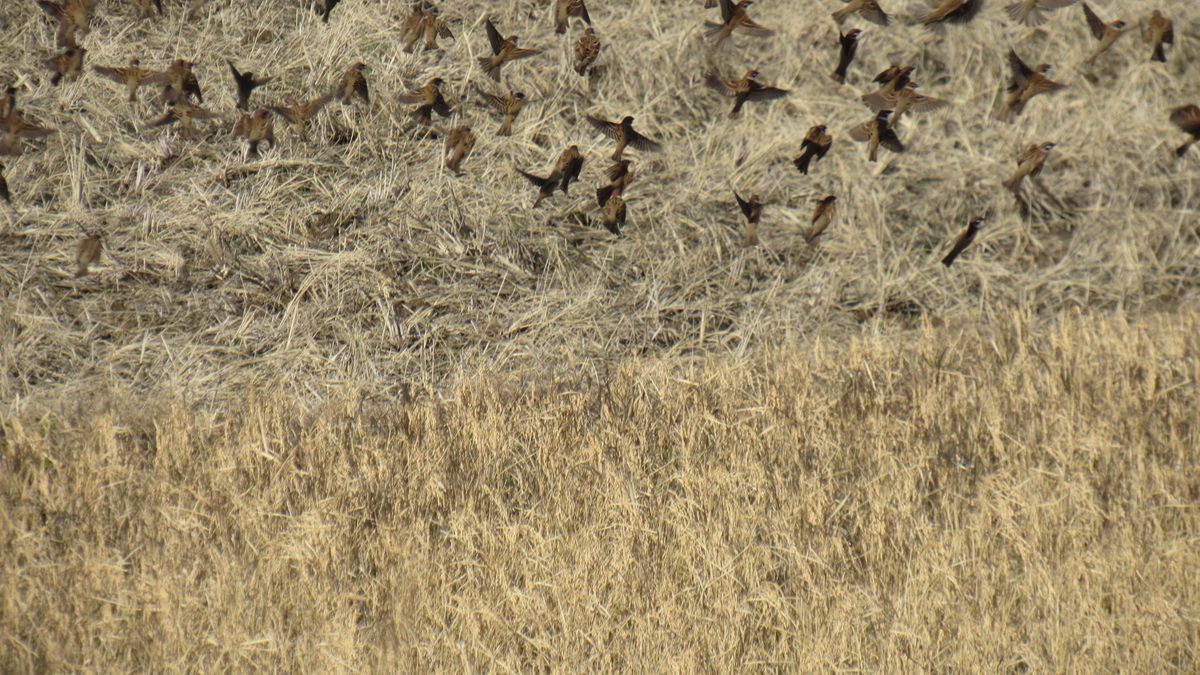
583,13
1094,21
360,88
642,143
748,25
314,106
1044,85
889,140
1169,33
726,10
965,12
922,103
1020,71
493,36
745,205
440,106
862,132
1187,118
1054,4
761,93
616,171
498,102
522,53
538,180
871,11
610,129
882,100
114,74
412,97
717,84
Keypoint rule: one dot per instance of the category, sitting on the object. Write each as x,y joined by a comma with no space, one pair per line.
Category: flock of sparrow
424,25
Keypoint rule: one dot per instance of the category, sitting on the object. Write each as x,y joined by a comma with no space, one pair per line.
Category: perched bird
132,76
876,132
246,84
816,143
586,50
745,89
822,216
752,210
867,9
950,11
1030,12
904,100
148,7
326,8
429,99
4,193
1159,31
620,175
459,143
1029,163
298,114
504,49
352,84
623,133
256,128
179,81
510,106
613,214
1026,83
964,240
73,17
87,253
1187,118
1106,33
17,127
66,66
848,45
186,113
564,9
733,16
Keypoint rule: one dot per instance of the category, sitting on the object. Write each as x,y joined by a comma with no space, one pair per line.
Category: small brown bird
620,175
132,76
867,9
4,193
963,241
186,113
510,106
326,8
66,66
893,79
733,16
566,169
613,214
586,50
298,114
745,89
148,7
504,49
429,99
752,210
1159,31
822,216
816,143
847,46
352,84
246,84
73,17
1029,163
876,132
623,133
413,28
459,143
950,11
564,9
179,81
87,254
256,128
1026,83
1187,118
545,185
1106,33
17,127
1030,12
433,26
904,100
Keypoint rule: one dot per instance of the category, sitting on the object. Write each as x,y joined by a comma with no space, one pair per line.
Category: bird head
589,31
262,113
1047,146
977,221
437,82
1042,68
1156,14
520,96
853,34
359,66
134,62
291,101
1118,24
820,128
627,120
751,74
884,115
754,198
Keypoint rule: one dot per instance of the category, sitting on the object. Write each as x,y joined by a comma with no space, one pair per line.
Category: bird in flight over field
66,66
1159,31
1032,12
1187,118
733,16
504,49
510,106
816,143
623,133
1029,164
87,254
900,102
1026,83
752,210
821,218
430,100
298,114
257,128
73,16
950,11
847,47
246,84
963,241
352,84
132,76
1106,33
564,9
745,89
459,143
620,175
867,9
876,132
613,214
586,50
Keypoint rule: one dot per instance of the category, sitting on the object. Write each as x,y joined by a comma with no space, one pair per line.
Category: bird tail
1013,183
838,77
1179,152
711,28
949,259
603,194
56,79
580,67
803,161
490,67
1020,12
1159,54
505,128
874,155
252,154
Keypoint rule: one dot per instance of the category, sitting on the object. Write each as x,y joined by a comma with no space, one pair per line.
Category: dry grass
959,500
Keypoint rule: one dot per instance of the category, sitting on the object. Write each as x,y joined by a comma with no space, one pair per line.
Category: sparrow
867,9
1187,118
753,211
256,129
620,175
327,8
964,240
904,100
186,113
1026,83
430,100
72,16
352,84
504,49
1106,33
822,216
745,89
66,66
179,81
4,193
564,9
623,133
1159,31
893,79
848,45
510,106
733,17
586,50
876,132
298,114
413,28
565,170
148,7
87,253
613,214
16,127
433,26
950,11
132,76
1029,12
545,185
1029,163
246,84
459,142
816,143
